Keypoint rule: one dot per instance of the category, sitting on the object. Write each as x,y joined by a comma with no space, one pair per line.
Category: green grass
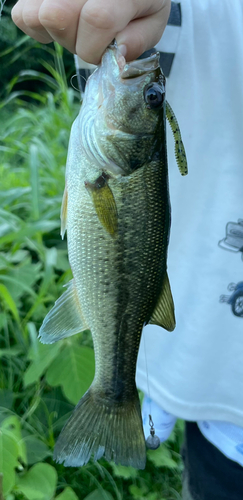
35,398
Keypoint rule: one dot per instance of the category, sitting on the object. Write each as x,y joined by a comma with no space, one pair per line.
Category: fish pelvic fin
99,429
104,203
180,153
64,212
64,319
164,313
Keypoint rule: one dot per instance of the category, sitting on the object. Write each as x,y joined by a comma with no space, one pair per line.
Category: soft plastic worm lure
179,147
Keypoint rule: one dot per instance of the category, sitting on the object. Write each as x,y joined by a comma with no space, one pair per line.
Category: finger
25,16
142,34
99,23
60,19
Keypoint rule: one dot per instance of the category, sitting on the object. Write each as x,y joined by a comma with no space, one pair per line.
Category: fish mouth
113,62
141,67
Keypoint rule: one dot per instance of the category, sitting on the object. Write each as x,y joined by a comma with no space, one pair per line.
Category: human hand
86,27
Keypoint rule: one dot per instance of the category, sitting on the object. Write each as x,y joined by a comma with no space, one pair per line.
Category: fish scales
116,211
123,271
112,275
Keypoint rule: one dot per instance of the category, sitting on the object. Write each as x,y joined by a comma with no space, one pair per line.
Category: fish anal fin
180,153
64,319
164,314
104,203
64,212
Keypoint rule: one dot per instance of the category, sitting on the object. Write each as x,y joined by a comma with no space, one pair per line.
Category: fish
116,211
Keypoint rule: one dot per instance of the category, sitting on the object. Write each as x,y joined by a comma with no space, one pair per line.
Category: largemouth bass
116,211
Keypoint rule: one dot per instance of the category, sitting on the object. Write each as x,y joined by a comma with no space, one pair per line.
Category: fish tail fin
98,429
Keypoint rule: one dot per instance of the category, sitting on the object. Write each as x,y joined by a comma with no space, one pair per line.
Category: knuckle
98,17
53,17
17,16
30,19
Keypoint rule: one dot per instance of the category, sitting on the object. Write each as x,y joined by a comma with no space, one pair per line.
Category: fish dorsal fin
180,153
64,212
164,314
64,319
104,203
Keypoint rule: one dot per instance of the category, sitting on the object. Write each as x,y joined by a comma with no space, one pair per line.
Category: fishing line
2,2
71,81
146,365
152,441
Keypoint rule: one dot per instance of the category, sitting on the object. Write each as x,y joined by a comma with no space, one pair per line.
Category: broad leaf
41,356
39,483
162,457
99,495
67,494
10,497
11,427
36,450
73,369
138,492
125,472
8,460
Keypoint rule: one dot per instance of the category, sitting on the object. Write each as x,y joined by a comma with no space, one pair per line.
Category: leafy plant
20,53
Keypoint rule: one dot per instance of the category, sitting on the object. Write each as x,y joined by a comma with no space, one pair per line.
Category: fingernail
123,50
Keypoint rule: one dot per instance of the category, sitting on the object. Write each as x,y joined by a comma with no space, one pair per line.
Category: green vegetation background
40,384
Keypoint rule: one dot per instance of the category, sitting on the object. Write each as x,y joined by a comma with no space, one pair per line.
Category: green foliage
36,450
162,457
73,370
99,495
39,483
67,494
8,28
39,384
19,53
41,357
125,472
9,452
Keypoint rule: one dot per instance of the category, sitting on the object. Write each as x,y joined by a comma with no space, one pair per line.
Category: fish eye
154,95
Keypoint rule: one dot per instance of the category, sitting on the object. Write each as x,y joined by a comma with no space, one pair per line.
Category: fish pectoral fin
104,203
64,212
64,319
180,153
164,313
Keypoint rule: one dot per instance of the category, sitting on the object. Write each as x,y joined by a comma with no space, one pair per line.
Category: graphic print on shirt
233,242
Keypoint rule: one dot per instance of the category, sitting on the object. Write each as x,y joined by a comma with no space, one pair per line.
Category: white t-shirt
196,372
